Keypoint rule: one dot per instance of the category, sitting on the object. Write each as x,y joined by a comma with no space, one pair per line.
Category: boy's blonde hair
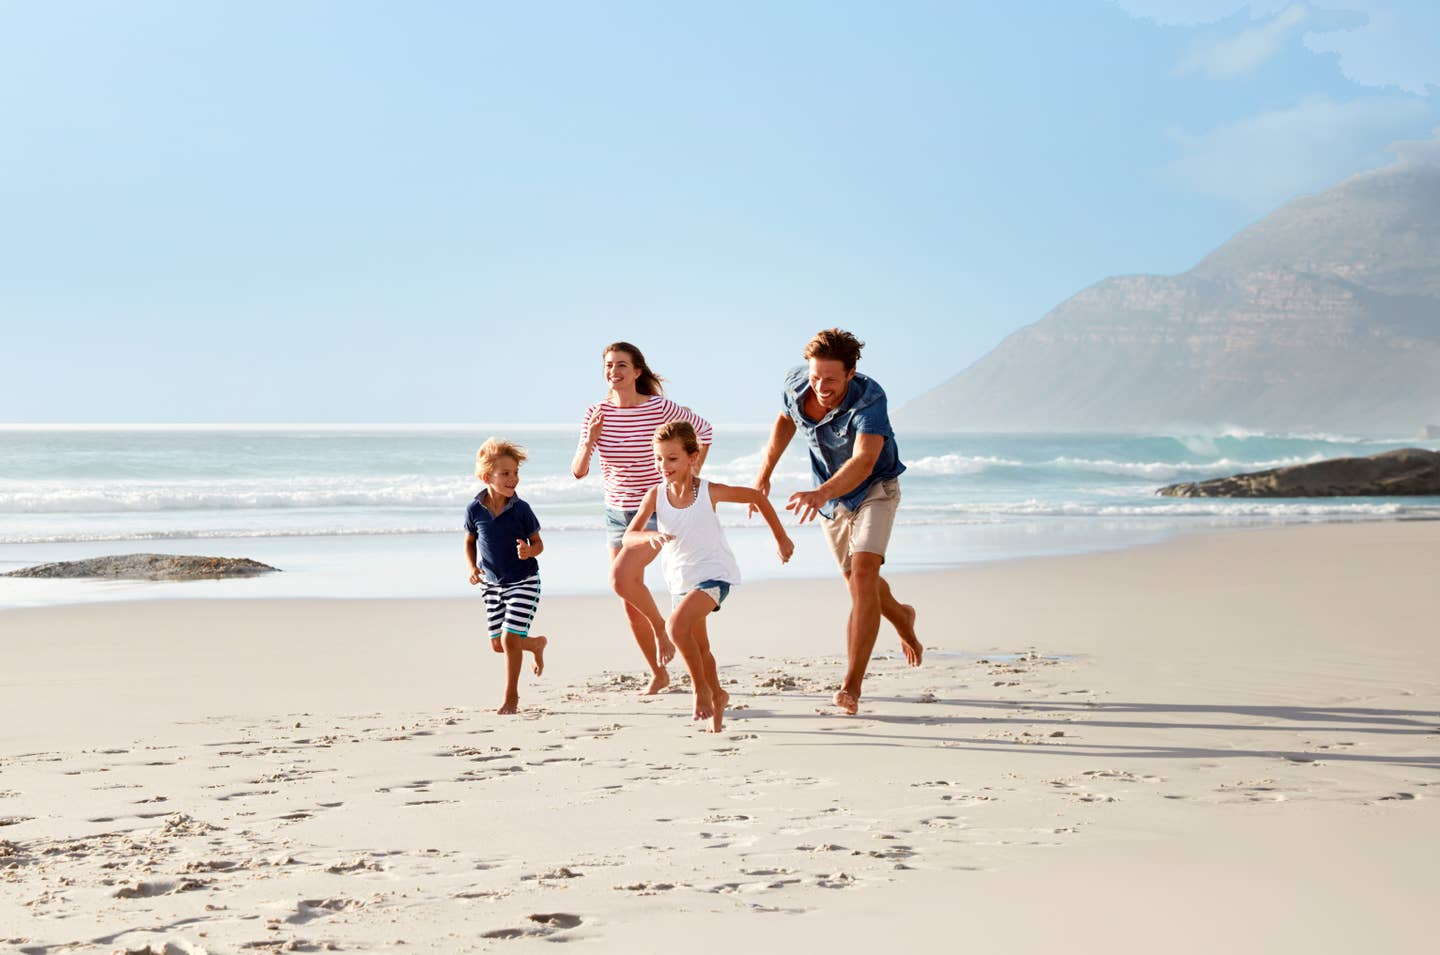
679,431
493,450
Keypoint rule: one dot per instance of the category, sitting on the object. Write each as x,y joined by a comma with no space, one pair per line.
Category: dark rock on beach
1406,471
150,567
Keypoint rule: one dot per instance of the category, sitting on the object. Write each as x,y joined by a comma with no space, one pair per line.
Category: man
846,422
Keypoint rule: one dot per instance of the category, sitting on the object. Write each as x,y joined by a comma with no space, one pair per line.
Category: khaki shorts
865,530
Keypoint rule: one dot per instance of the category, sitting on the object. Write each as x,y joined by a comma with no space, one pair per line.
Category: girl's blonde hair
679,431
493,450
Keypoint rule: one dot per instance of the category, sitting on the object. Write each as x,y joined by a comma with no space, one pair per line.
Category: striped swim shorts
511,607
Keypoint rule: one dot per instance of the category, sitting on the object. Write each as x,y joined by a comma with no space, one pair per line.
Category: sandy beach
1227,741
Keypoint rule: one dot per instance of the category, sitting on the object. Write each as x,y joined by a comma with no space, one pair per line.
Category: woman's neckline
644,399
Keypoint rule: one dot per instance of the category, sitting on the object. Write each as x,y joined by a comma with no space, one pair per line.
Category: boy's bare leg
627,579
719,699
514,657
863,627
686,621
536,645
902,617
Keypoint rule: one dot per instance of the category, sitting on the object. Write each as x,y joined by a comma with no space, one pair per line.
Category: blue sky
439,212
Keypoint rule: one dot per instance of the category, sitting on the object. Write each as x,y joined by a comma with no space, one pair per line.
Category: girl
620,428
699,567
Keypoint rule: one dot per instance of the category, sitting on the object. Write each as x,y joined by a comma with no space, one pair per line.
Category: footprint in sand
547,922
553,875
309,910
358,864
149,890
646,888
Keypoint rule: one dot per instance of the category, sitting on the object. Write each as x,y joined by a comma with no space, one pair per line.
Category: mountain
1323,316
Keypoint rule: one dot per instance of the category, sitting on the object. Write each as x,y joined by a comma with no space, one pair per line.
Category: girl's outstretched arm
758,501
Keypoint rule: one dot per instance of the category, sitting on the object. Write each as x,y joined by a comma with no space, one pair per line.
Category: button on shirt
497,535
831,440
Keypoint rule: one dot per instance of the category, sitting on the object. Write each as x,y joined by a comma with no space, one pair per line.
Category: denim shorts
617,522
716,590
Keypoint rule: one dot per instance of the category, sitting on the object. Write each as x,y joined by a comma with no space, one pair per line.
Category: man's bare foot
664,651
717,718
495,645
510,706
908,641
704,706
536,645
658,682
850,704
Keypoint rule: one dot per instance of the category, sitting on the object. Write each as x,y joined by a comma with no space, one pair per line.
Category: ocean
376,511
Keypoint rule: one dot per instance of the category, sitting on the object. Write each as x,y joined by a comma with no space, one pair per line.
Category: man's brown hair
835,344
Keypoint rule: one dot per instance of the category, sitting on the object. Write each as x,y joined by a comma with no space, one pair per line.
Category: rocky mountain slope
1324,315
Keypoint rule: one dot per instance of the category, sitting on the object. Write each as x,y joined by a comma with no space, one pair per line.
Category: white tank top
698,552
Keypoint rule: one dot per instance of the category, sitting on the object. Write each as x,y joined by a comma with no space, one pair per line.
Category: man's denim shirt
831,440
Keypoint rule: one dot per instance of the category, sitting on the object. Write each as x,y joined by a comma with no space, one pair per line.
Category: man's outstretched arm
851,475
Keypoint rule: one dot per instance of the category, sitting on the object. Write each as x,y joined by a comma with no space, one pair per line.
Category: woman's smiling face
620,370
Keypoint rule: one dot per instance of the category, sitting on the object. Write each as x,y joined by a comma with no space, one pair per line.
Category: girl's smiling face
672,460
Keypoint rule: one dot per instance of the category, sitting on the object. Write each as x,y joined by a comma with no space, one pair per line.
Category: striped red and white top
627,458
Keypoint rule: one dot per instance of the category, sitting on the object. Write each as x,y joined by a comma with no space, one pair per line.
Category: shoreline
1246,725
421,565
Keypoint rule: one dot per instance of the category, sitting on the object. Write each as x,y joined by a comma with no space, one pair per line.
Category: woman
621,428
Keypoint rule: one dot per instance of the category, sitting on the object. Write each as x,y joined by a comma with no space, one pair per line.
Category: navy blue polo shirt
831,440
497,534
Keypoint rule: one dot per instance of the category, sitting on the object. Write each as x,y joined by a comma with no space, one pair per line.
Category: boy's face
619,369
829,381
503,476
671,459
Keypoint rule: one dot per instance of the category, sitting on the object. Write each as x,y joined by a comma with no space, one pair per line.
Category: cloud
1382,43
1264,160
1248,49
1417,152
1188,13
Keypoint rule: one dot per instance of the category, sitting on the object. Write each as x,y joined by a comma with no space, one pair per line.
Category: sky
439,212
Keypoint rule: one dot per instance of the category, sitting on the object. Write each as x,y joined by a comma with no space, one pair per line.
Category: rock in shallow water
1406,471
150,567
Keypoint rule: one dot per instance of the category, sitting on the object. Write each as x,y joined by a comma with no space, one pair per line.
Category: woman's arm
703,430
580,467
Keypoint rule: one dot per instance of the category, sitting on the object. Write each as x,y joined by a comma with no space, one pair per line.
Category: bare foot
704,707
658,682
850,704
908,641
664,651
510,706
717,718
495,645
536,645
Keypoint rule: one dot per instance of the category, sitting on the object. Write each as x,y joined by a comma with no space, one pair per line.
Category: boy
509,541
